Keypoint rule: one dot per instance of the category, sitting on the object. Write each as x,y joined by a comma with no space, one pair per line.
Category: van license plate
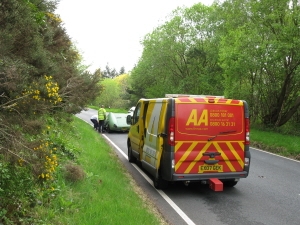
206,168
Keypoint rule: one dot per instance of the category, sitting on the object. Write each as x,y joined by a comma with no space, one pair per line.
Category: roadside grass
107,195
285,145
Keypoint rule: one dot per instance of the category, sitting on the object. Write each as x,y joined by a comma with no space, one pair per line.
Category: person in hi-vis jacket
101,118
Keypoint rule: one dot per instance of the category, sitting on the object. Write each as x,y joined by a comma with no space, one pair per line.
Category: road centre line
162,194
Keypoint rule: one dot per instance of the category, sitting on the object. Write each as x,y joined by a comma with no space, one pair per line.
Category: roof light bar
191,96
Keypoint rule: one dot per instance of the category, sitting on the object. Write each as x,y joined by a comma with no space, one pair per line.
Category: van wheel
160,183
230,183
108,129
131,158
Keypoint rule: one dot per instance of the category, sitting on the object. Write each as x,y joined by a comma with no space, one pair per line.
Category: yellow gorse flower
50,160
53,17
35,92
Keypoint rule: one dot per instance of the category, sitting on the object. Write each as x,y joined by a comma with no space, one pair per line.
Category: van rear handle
212,154
162,135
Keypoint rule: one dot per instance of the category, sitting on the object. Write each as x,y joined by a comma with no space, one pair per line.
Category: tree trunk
289,113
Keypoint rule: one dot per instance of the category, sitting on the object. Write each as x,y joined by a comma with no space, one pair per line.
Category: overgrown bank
89,186
42,82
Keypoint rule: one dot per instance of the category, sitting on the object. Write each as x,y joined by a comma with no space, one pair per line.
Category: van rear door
136,133
154,127
210,135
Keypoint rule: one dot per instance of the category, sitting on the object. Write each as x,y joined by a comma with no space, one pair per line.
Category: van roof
191,96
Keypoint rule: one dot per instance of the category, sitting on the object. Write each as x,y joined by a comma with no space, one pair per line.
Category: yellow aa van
191,138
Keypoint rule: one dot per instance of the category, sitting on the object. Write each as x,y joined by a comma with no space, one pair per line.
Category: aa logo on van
197,119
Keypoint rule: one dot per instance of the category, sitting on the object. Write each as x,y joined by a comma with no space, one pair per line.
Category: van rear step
215,184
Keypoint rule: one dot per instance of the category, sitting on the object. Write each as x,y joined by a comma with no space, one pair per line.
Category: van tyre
131,158
108,129
160,183
230,183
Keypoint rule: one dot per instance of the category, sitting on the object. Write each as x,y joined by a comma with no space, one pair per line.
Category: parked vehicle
116,122
191,138
131,110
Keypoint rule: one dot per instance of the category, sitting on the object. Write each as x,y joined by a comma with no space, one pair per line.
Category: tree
109,72
260,59
114,92
179,57
122,70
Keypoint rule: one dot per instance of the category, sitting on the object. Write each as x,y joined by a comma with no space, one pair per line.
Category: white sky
110,31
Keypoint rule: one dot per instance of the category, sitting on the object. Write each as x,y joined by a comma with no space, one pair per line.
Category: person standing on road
101,118
94,119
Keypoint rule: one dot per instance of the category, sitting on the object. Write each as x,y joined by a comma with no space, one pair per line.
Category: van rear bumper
207,176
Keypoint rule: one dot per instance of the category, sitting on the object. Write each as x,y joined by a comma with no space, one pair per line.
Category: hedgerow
41,84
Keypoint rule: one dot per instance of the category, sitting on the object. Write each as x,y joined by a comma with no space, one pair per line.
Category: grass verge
107,195
280,144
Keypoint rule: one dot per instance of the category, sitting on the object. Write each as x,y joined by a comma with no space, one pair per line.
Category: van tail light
171,131
247,162
247,131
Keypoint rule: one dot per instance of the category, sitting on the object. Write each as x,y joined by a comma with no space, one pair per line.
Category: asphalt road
269,195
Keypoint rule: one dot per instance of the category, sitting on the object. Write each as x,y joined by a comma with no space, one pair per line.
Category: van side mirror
128,119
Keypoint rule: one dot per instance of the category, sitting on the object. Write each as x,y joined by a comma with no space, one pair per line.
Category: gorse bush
40,80
30,176
14,180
